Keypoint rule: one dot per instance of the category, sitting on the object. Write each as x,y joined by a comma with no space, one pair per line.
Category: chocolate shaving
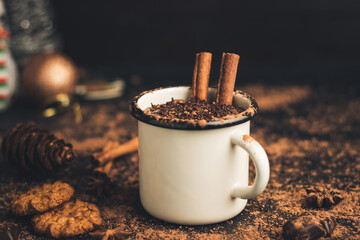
193,110
309,227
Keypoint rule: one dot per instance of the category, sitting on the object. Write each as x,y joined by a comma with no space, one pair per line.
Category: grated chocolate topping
194,110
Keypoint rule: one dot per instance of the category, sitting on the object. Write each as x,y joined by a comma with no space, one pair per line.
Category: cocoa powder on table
310,142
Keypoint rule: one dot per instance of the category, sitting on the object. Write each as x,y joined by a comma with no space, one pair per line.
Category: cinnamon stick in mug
193,84
228,70
201,75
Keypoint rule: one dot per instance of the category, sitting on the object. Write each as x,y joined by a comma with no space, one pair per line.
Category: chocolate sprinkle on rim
146,117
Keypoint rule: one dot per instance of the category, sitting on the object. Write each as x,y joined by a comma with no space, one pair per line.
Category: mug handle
261,162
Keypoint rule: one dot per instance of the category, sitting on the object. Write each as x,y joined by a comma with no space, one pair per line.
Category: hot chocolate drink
197,109
194,110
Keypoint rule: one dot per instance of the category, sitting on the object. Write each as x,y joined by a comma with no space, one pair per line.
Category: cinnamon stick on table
114,150
229,65
201,76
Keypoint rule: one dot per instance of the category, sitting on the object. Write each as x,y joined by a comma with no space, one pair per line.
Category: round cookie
68,220
41,199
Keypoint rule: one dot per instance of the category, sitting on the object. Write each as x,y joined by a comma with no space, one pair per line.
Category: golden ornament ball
48,74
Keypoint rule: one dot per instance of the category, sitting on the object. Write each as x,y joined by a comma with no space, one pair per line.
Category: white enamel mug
191,174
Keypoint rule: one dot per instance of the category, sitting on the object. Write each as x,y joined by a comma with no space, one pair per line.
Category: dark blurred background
284,41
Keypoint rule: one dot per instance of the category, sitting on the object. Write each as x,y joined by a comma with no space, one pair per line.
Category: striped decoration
4,78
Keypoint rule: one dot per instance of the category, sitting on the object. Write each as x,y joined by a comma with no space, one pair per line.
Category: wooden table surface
310,132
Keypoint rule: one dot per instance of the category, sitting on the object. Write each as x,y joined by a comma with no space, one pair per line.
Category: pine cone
36,150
